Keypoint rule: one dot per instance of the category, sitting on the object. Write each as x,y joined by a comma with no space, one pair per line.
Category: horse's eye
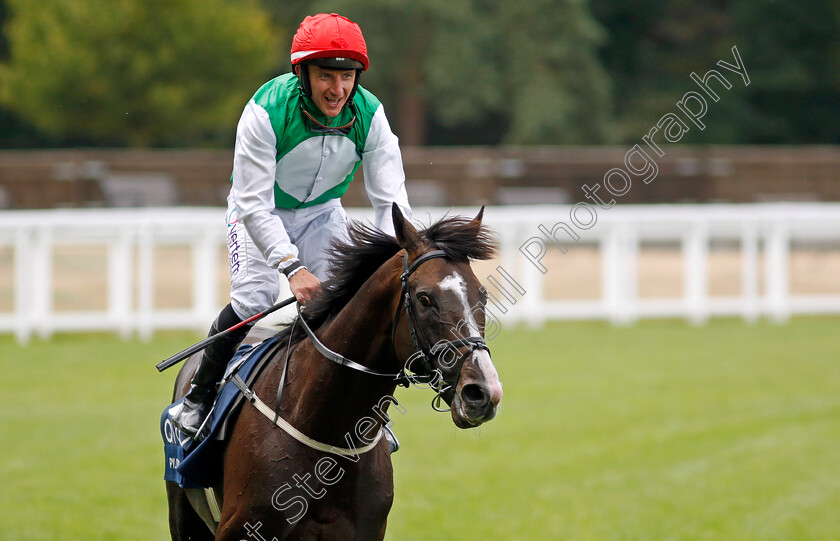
424,299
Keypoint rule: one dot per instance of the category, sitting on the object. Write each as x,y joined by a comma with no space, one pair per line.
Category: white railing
763,235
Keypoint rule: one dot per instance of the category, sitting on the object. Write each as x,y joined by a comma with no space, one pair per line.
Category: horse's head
441,329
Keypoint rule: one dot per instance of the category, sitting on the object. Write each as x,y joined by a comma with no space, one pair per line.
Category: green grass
661,431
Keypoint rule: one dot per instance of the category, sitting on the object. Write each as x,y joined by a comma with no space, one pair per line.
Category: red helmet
331,41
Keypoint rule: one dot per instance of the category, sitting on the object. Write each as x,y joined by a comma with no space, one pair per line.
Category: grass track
661,431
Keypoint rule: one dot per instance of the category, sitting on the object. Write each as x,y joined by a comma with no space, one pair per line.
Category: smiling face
330,88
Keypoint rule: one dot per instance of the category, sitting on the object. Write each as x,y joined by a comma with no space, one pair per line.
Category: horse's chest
350,500
360,503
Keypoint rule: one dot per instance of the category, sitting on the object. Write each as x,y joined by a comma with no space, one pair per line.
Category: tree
4,44
141,72
789,51
556,87
530,68
794,58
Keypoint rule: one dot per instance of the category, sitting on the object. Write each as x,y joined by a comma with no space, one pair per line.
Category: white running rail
763,234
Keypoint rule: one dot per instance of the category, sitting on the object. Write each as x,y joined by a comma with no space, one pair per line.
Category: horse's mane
366,249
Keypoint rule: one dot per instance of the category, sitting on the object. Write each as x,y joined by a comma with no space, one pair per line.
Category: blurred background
117,124
175,74
135,104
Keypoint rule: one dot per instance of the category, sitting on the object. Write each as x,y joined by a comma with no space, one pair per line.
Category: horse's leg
184,522
256,523
382,533
233,528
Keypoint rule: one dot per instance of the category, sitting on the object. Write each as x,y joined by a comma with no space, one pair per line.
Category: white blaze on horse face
491,377
456,283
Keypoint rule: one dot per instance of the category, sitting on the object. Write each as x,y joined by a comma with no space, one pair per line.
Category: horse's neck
361,331
332,399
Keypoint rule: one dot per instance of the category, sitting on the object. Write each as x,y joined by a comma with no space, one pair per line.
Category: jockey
299,142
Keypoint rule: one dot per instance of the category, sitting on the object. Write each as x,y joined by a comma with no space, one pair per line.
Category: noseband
422,345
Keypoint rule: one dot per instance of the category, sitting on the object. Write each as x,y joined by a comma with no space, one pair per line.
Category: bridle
432,376
422,345
426,350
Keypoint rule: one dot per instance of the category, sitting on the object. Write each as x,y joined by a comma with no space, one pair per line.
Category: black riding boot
214,361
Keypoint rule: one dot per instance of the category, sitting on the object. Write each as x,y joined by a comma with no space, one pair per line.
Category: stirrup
198,433
186,431
203,430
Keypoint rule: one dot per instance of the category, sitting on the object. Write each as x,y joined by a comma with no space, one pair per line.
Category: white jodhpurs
254,286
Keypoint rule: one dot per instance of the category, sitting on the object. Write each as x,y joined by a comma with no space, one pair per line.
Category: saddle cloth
194,464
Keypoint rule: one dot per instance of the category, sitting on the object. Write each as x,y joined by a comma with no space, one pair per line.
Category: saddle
197,463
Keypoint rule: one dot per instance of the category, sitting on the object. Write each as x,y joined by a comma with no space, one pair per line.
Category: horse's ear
407,236
476,222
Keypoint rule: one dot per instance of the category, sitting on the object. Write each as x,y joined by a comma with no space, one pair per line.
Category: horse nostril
474,395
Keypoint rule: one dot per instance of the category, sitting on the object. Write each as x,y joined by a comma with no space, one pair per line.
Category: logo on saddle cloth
194,464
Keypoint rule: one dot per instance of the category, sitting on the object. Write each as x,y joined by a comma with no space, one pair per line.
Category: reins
430,375
337,358
427,353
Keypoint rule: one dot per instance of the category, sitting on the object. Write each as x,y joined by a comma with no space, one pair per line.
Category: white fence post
610,285
695,273
749,273
619,273
777,275
121,280
23,284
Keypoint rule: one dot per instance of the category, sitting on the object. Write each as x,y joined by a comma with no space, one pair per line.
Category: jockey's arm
254,167
384,175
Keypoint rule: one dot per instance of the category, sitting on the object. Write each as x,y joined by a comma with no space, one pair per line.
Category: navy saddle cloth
194,464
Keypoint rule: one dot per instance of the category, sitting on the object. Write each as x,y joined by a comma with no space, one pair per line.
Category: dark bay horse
397,311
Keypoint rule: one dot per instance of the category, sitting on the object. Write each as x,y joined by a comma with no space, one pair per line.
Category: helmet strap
355,86
302,71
